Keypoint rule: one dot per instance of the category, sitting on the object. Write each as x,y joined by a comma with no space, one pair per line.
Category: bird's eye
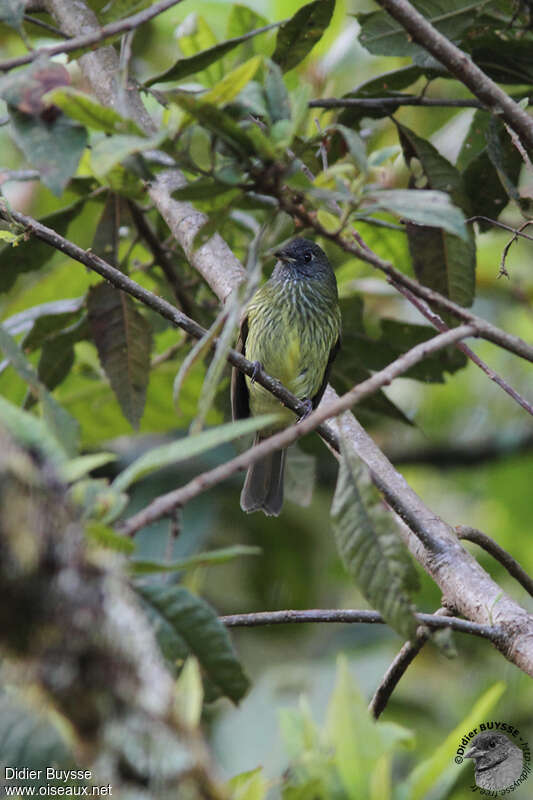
492,744
307,257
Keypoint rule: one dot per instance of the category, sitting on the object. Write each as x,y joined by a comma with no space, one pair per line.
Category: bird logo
498,761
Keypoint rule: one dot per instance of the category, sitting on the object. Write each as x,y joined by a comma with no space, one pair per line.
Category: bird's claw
307,410
256,370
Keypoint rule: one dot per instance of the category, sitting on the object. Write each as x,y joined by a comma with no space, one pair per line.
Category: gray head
302,258
489,749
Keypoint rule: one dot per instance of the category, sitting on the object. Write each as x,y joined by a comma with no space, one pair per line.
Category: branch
459,64
160,305
289,617
511,565
163,505
91,37
440,325
394,102
473,453
397,669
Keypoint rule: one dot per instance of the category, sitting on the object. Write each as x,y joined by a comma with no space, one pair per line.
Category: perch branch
496,551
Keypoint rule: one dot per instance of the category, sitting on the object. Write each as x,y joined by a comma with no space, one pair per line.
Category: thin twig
393,102
496,551
465,455
164,504
160,255
94,37
462,67
503,270
335,615
398,667
47,27
498,224
440,325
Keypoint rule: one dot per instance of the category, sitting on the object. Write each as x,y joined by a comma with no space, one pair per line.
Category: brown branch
399,666
163,505
335,615
518,232
459,64
470,454
393,102
91,37
440,325
496,551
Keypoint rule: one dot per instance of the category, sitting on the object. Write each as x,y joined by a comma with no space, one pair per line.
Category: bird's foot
257,369
307,410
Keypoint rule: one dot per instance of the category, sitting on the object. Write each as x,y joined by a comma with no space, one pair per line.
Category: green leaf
99,501
276,94
424,777
34,253
116,9
200,61
123,339
189,695
382,35
90,113
202,189
425,207
61,425
218,122
250,785
104,536
358,742
57,353
211,558
12,12
356,146
178,613
297,37
441,261
188,447
232,83
370,547
53,148
37,322
32,432
79,467
109,151
491,165
32,733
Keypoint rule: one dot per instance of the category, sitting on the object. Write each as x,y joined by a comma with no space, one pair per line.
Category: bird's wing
240,398
332,354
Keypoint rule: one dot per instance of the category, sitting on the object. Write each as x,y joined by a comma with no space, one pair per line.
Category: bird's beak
473,753
283,256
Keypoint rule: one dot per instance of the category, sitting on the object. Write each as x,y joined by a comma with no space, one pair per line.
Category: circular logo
500,756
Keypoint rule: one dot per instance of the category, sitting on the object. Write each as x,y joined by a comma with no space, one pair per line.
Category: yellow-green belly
292,339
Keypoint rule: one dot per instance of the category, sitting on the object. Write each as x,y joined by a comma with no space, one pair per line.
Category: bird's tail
263,487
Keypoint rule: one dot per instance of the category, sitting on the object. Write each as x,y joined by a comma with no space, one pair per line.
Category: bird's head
304,259
490,748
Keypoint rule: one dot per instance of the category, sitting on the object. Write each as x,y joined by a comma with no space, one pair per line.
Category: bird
498,761
292,329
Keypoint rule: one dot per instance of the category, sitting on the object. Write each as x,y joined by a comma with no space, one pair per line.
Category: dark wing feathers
332,354
240,398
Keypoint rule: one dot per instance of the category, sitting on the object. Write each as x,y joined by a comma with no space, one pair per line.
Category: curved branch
394,102
496,551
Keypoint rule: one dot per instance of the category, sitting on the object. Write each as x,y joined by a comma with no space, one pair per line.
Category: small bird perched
498,762
291,327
